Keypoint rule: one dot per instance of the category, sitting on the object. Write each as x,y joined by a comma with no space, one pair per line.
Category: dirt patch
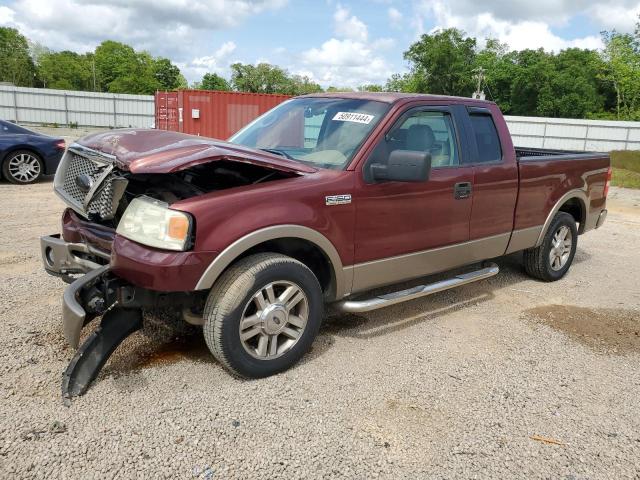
609,330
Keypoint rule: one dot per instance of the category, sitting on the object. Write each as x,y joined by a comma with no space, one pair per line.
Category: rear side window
489,149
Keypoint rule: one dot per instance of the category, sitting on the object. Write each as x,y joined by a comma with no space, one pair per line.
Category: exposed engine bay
94,187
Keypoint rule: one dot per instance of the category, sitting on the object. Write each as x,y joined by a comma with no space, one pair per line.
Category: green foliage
573,83
66,70
213,81
406,83
625,178
260,78
167,74
445,59
16,64
626,159
371,88
622,71
332,89
267,78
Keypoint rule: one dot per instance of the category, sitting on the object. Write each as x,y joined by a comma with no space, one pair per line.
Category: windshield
322,132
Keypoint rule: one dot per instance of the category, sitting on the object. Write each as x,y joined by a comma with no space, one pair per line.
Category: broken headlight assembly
151,222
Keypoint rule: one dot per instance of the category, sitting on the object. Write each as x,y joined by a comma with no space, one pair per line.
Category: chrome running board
380,301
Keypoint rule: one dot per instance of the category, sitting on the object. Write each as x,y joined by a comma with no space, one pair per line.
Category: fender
581,196
237,248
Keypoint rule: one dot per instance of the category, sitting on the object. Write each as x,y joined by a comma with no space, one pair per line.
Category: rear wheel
22,167
552,259
263,314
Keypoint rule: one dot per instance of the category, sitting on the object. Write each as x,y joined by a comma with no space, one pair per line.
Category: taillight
61,145
608,184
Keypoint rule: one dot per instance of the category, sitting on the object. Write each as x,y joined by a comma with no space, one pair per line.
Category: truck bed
546,176
540,154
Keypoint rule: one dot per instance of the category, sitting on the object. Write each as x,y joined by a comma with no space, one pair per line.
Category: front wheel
22,167
263,314
552,259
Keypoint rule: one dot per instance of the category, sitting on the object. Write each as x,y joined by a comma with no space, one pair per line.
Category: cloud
347,26
218,62
145,24
344,63
349,60
519,33
395,17
553,12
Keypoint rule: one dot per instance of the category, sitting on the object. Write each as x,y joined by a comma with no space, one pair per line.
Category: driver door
403,229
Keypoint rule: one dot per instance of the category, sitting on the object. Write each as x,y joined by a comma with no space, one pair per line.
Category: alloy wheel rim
561,245
274,320
24,167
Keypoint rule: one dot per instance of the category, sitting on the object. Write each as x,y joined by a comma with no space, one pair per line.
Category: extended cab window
489,149
422,131
430,132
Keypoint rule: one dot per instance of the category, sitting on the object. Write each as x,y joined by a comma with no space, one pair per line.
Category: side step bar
386,300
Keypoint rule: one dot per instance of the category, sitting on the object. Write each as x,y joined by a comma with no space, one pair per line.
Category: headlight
151,222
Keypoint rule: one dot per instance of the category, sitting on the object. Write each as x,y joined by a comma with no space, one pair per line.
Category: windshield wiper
282,153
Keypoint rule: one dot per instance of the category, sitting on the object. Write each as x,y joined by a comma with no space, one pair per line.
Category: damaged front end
99,187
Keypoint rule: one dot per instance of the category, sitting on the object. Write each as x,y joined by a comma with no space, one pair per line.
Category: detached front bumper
99,288
64,259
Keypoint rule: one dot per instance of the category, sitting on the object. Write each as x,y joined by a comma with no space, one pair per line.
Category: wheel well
305,252
576,209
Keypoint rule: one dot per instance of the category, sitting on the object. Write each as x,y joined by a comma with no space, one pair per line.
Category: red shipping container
211,113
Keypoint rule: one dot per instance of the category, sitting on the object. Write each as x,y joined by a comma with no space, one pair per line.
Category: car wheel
263,314
552,259
22,167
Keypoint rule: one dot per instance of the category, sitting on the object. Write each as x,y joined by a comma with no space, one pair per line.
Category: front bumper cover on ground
98,292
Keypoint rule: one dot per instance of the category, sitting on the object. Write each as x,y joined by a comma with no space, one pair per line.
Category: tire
22,167
538,261
235,298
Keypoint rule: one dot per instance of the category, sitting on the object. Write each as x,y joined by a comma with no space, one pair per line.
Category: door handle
462,190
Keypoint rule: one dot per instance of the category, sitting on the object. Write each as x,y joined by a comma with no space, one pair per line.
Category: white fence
567,134
63,107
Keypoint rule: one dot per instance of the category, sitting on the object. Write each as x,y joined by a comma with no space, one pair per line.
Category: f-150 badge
338,199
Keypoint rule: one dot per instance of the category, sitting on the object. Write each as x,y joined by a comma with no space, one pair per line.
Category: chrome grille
103,200
82,161
79,165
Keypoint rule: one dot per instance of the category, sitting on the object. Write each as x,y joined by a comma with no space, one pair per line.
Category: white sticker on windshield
353,117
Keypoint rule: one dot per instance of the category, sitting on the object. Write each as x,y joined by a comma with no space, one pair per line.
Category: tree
167,74
533,69
445,59
412,82
65,70
260,78
572,89
302,85
16,64
500,68
622,71
213,81
371,87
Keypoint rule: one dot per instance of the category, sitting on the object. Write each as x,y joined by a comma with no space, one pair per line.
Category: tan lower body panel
392,270
523,239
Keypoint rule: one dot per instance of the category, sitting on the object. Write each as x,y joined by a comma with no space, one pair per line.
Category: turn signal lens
61,145
178,228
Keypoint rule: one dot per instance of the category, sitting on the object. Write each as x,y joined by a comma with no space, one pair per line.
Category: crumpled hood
159,151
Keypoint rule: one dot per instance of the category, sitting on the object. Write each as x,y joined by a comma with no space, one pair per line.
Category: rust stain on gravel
608,330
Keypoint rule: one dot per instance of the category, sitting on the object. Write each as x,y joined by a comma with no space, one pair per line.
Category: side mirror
403,166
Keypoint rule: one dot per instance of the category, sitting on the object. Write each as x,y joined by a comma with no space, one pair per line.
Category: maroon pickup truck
322,199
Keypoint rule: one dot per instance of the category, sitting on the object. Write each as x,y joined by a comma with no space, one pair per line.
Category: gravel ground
506,378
